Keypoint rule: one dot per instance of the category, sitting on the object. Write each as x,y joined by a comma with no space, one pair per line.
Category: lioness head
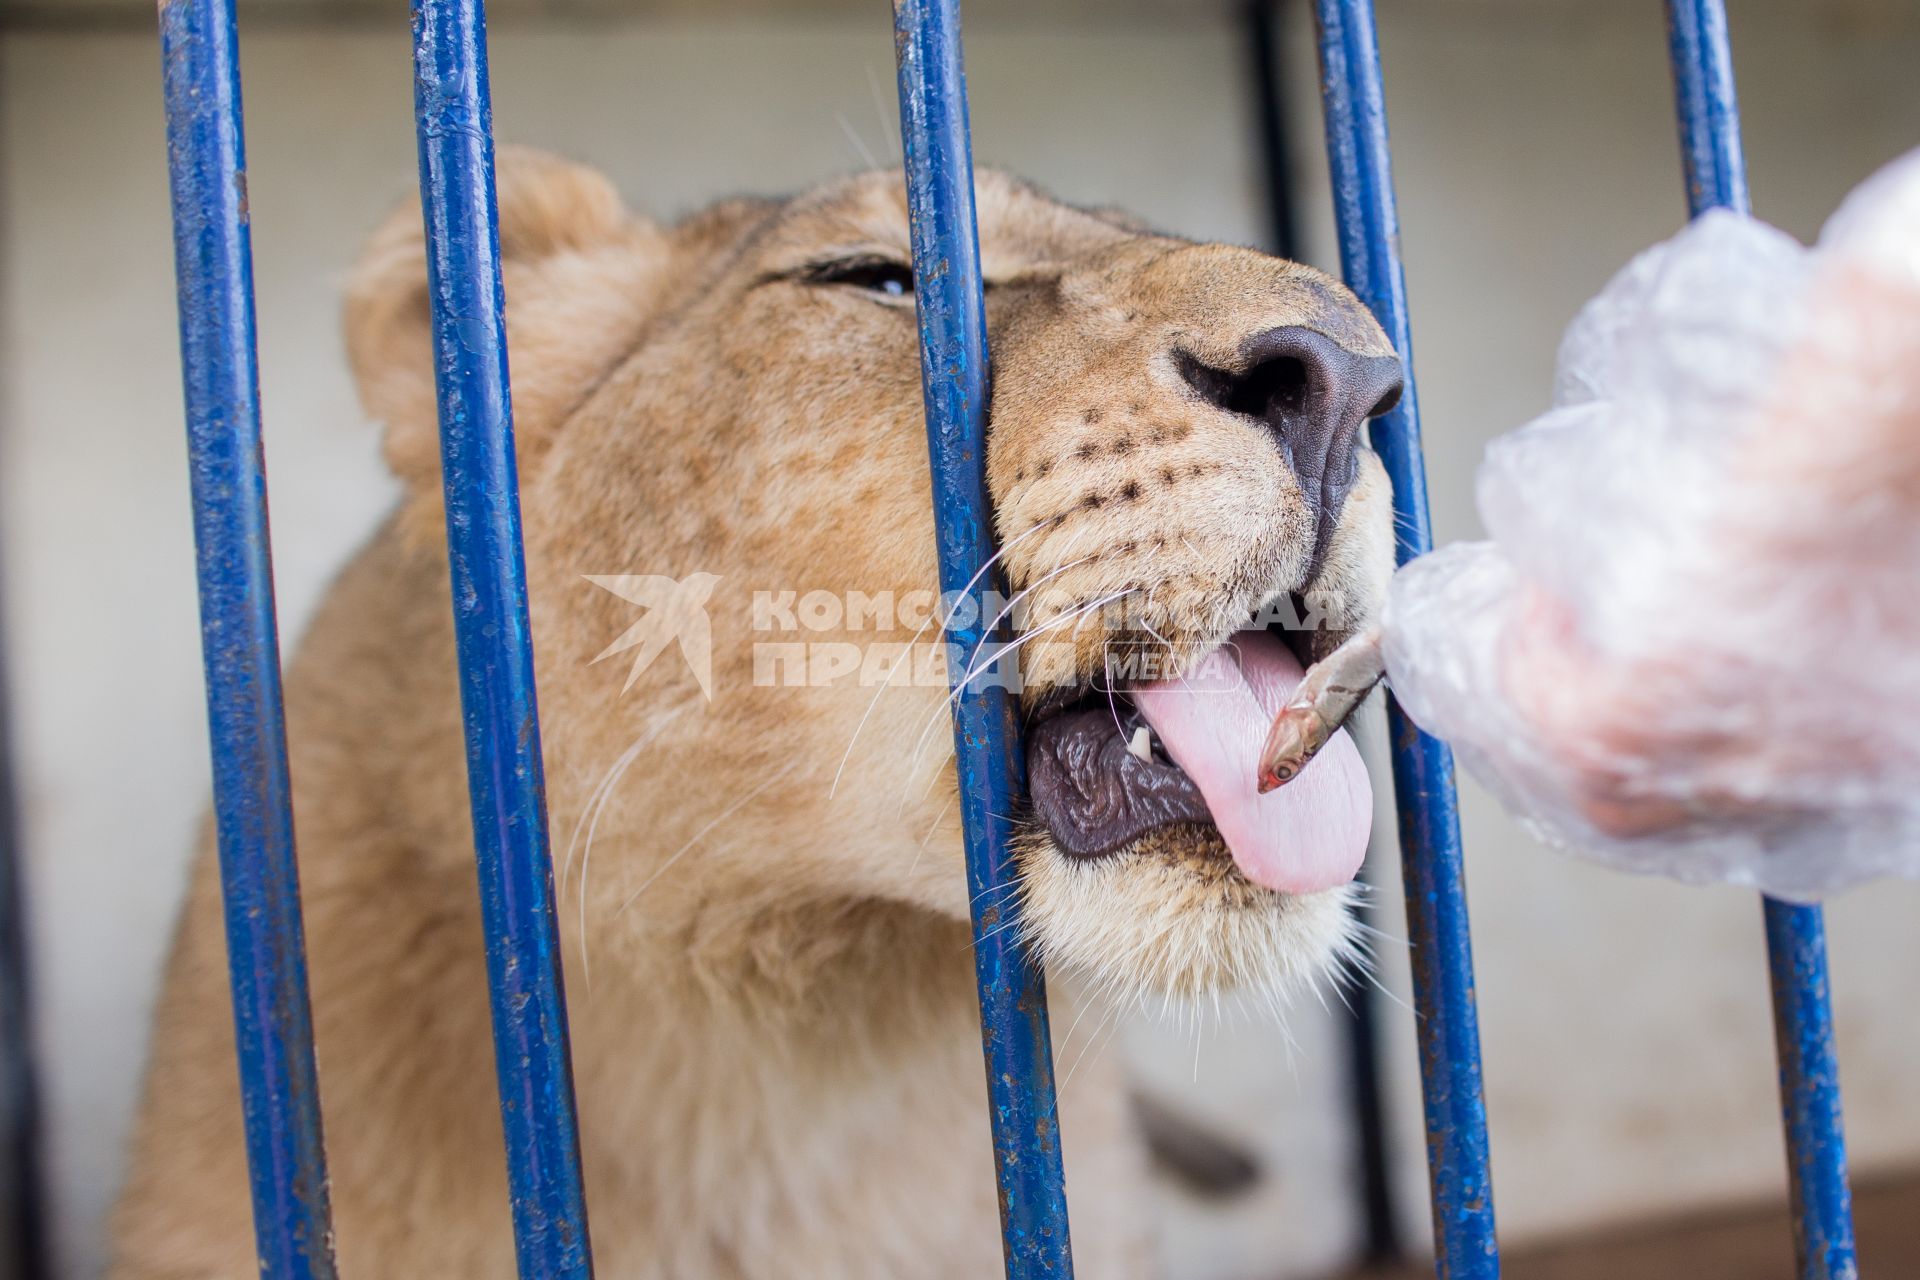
730,541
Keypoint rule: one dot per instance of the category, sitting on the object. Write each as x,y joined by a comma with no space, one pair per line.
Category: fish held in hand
1333,687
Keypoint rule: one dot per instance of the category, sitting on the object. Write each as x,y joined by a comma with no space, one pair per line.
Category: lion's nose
1313,394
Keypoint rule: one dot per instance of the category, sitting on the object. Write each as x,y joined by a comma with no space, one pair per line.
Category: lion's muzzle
1313,394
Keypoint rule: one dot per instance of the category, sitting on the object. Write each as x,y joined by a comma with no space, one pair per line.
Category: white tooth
1141,744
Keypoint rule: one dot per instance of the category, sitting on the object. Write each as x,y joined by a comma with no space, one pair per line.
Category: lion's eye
879,275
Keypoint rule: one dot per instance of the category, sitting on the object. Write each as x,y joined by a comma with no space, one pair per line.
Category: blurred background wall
1628,1045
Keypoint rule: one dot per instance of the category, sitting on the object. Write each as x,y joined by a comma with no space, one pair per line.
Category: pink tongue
1306,836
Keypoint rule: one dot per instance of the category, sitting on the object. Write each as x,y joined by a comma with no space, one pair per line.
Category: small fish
1333,687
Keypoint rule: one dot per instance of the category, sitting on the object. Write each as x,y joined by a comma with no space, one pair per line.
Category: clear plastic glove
1693,645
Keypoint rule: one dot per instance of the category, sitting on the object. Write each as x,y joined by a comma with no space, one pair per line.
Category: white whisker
697,836
986,632
597,805
853,136
974,674
994,932
1107,672
924,840
933,776
888,683
889,127
1096,1046
1002,887
606,781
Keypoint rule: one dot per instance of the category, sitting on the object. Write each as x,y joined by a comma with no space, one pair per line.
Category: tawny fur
776,1043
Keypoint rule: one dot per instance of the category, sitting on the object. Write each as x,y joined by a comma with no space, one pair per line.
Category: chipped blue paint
1716,177
953,361
1361,165
1810,1092
500,713
1710,153
252,791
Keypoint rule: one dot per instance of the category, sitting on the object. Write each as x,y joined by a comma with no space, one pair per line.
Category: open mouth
1107,766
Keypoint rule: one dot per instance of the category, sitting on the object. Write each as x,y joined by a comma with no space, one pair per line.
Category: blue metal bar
1810,1092
252,794
1710,152
499,710
1266,40
953,363
1796,935
1449,1027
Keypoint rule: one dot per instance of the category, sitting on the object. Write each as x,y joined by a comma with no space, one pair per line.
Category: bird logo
676,609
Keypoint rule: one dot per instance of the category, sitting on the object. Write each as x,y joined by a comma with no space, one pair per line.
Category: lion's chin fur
1170,917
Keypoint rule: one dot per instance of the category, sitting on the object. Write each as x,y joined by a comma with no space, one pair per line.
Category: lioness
774,1026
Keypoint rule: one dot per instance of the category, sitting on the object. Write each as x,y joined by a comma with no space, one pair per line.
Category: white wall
1628,1049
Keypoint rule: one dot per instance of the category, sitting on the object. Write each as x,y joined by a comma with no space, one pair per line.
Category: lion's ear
581,276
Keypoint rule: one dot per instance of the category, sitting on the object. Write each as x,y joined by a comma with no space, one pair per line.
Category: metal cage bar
1262,25
499,712
1361,166
252,793
953,364
1716,176
1810,1092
